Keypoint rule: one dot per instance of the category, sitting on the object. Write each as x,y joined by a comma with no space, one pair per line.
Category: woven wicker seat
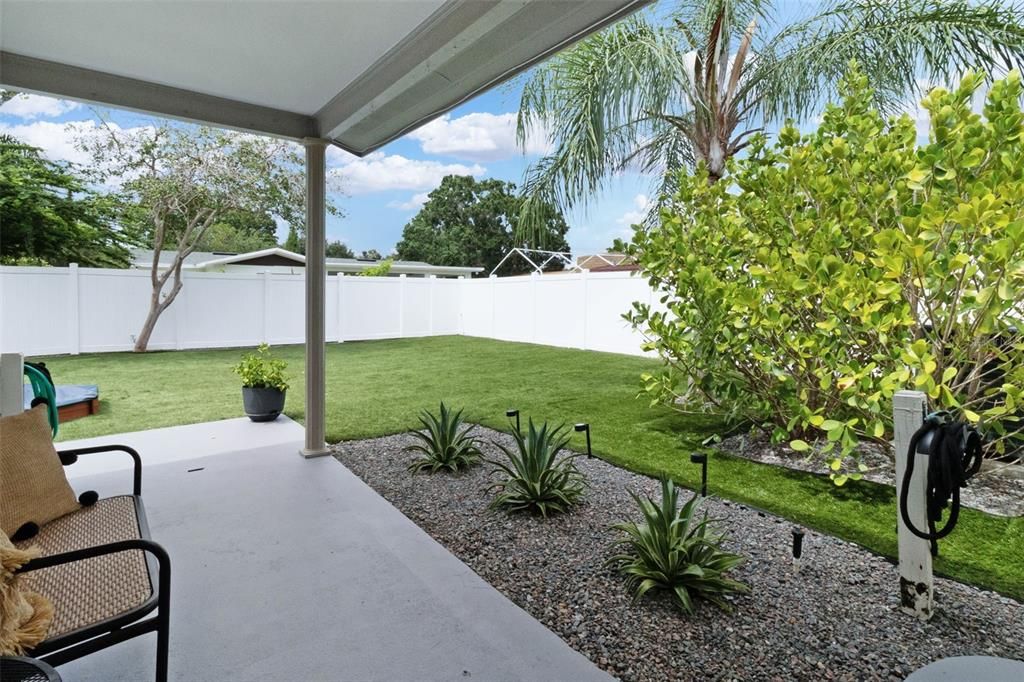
92,590
107,580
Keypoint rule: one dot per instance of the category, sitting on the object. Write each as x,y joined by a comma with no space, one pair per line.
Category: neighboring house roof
622,267
206,260
603,261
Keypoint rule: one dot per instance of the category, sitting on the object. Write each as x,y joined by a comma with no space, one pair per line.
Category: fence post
534,285
12,396
431,286
401,306
462,302
74,302
180,310
265,308
341,307
494,304
916,596
585,278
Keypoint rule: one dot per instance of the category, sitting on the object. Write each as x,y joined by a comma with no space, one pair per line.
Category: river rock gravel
835,619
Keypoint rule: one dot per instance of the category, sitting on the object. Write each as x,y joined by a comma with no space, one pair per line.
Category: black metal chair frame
97,636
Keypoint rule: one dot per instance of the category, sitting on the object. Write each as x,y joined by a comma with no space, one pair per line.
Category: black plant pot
262,404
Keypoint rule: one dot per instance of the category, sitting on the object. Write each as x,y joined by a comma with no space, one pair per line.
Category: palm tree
658,92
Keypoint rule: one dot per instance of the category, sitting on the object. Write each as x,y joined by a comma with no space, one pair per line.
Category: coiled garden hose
44,391
954,456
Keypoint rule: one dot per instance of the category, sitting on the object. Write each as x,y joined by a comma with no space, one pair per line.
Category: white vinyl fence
46,311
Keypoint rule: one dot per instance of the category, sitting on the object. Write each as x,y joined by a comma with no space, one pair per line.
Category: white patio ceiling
357,72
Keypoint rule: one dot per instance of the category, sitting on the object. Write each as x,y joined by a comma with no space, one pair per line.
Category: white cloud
643,204
379,172
413,203
57,140
478,136
27,106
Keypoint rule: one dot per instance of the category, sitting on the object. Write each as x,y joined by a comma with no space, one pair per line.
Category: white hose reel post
12,380
915,557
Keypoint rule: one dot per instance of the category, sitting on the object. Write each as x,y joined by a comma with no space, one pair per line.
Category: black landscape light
513,413
701,458
798,544
579,428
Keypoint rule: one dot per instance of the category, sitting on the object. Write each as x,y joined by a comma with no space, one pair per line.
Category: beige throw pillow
33,487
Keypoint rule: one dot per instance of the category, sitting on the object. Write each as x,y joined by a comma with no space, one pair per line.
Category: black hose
954,456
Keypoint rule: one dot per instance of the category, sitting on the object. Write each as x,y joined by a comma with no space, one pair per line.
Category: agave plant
444,444
668,551
534,477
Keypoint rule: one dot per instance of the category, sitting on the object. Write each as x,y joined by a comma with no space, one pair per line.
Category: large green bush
831,269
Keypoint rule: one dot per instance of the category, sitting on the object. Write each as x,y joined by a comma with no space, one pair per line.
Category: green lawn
376,388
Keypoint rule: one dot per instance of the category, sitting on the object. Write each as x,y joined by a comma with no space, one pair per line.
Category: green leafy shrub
534,477
668,551
381,269
33,261
444,444
832,269
261,370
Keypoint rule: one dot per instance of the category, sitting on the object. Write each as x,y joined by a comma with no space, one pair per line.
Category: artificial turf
378,387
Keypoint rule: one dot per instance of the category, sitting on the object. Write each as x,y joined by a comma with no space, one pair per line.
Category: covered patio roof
352,73
357,72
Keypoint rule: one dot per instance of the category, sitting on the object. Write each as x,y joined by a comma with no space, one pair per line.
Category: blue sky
384,190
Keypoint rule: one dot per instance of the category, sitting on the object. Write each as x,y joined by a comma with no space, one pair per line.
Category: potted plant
263,384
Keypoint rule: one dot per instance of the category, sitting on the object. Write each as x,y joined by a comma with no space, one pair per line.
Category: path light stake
701,458
585,427
514,413
798,546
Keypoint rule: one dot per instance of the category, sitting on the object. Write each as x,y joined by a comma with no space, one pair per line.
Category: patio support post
316,290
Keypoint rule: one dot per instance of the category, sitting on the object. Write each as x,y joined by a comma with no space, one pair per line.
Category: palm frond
899,44
591,101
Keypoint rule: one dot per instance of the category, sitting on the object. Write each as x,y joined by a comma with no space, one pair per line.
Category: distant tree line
473,223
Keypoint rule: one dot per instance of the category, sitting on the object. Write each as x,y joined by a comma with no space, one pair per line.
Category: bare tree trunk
156,308
158,300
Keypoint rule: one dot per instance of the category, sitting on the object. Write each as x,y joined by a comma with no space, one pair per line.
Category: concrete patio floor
293,569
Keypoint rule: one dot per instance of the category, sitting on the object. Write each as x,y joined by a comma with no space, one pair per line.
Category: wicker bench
103,574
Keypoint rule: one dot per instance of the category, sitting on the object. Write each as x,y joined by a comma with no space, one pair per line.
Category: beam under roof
37,75
250,66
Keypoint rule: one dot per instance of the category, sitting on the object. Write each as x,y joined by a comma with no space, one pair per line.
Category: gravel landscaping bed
836,619
997,489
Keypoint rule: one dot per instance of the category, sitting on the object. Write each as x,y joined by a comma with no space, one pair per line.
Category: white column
316,287
74,335
12,395
915,555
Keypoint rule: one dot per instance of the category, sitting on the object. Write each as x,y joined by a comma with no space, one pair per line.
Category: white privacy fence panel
446,306
84,310
371,308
